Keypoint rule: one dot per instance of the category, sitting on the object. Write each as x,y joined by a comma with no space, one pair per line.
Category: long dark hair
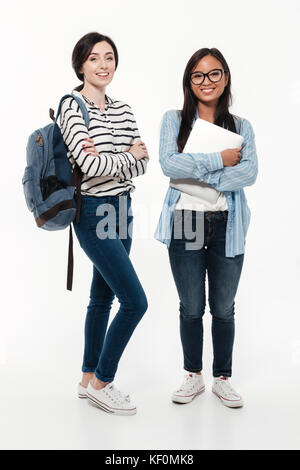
82,50
223,118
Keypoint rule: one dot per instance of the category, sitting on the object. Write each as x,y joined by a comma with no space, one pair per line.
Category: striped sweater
113,131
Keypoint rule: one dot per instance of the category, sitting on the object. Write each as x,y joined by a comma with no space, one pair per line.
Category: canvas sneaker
110,399
192,386
81,391
228,396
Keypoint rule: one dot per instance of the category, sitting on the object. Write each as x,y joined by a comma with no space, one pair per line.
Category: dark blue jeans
113,275
189,271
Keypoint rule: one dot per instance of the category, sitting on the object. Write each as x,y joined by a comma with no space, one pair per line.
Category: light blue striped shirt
208,167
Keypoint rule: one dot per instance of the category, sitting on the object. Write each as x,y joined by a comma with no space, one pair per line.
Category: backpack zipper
39,140
42,141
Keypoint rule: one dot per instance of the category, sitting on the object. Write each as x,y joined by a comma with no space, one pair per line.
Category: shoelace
187,382
117,395
227,389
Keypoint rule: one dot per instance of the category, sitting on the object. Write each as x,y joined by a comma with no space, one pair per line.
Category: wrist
132,158
216,161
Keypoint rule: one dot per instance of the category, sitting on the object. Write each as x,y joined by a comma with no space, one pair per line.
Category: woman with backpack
221,207
109,154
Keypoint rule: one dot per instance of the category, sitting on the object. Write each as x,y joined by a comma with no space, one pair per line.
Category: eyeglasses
215,75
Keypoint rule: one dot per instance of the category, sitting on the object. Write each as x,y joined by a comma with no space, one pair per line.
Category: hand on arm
138,150
231,157
233,178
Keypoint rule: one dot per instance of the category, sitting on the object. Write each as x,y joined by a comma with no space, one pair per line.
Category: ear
226,78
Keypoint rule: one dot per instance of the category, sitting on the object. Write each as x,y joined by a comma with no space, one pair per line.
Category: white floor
41,343
45,414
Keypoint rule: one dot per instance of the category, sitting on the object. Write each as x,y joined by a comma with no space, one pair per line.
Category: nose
103,64
206,81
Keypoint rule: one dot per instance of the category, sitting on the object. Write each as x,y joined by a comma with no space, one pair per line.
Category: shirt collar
108,100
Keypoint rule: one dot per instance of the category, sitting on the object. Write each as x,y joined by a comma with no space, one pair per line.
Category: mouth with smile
208,90
102,75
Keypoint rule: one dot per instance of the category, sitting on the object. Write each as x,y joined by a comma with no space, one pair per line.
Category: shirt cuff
131,158
216,162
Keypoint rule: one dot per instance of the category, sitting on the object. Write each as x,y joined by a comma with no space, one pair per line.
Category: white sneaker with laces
228,396
192,386
110,399
81,391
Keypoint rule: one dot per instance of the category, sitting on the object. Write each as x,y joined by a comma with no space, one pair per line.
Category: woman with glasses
217,207
109,153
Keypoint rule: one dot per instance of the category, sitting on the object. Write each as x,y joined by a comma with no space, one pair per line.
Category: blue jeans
113,274
189,271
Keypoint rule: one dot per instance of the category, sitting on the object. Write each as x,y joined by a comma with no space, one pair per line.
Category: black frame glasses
207,75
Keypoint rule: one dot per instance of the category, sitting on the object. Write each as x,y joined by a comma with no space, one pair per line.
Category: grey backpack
49,182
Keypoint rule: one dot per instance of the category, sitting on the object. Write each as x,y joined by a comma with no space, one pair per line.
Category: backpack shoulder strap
81,105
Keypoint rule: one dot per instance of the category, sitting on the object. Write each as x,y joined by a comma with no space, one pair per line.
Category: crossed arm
206,167
74,131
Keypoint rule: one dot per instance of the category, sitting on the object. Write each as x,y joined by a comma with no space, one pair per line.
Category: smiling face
99,68
208,92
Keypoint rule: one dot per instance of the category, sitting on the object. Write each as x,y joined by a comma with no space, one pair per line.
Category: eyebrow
96,53
199,71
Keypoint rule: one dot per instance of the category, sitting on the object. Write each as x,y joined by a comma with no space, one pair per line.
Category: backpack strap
81,105
70,260
75,181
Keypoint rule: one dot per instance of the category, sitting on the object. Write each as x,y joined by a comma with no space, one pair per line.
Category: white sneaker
192,386
110,399
228,396
81,391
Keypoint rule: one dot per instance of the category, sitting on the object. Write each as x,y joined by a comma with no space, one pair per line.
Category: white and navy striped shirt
113,131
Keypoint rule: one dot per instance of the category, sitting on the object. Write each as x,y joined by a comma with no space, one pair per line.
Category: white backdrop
41,334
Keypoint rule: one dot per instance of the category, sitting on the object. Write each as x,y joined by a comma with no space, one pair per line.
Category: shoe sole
179,399
229,404
109,409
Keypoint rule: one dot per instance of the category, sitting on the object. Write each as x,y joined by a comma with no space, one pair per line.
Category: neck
207,111
94,94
